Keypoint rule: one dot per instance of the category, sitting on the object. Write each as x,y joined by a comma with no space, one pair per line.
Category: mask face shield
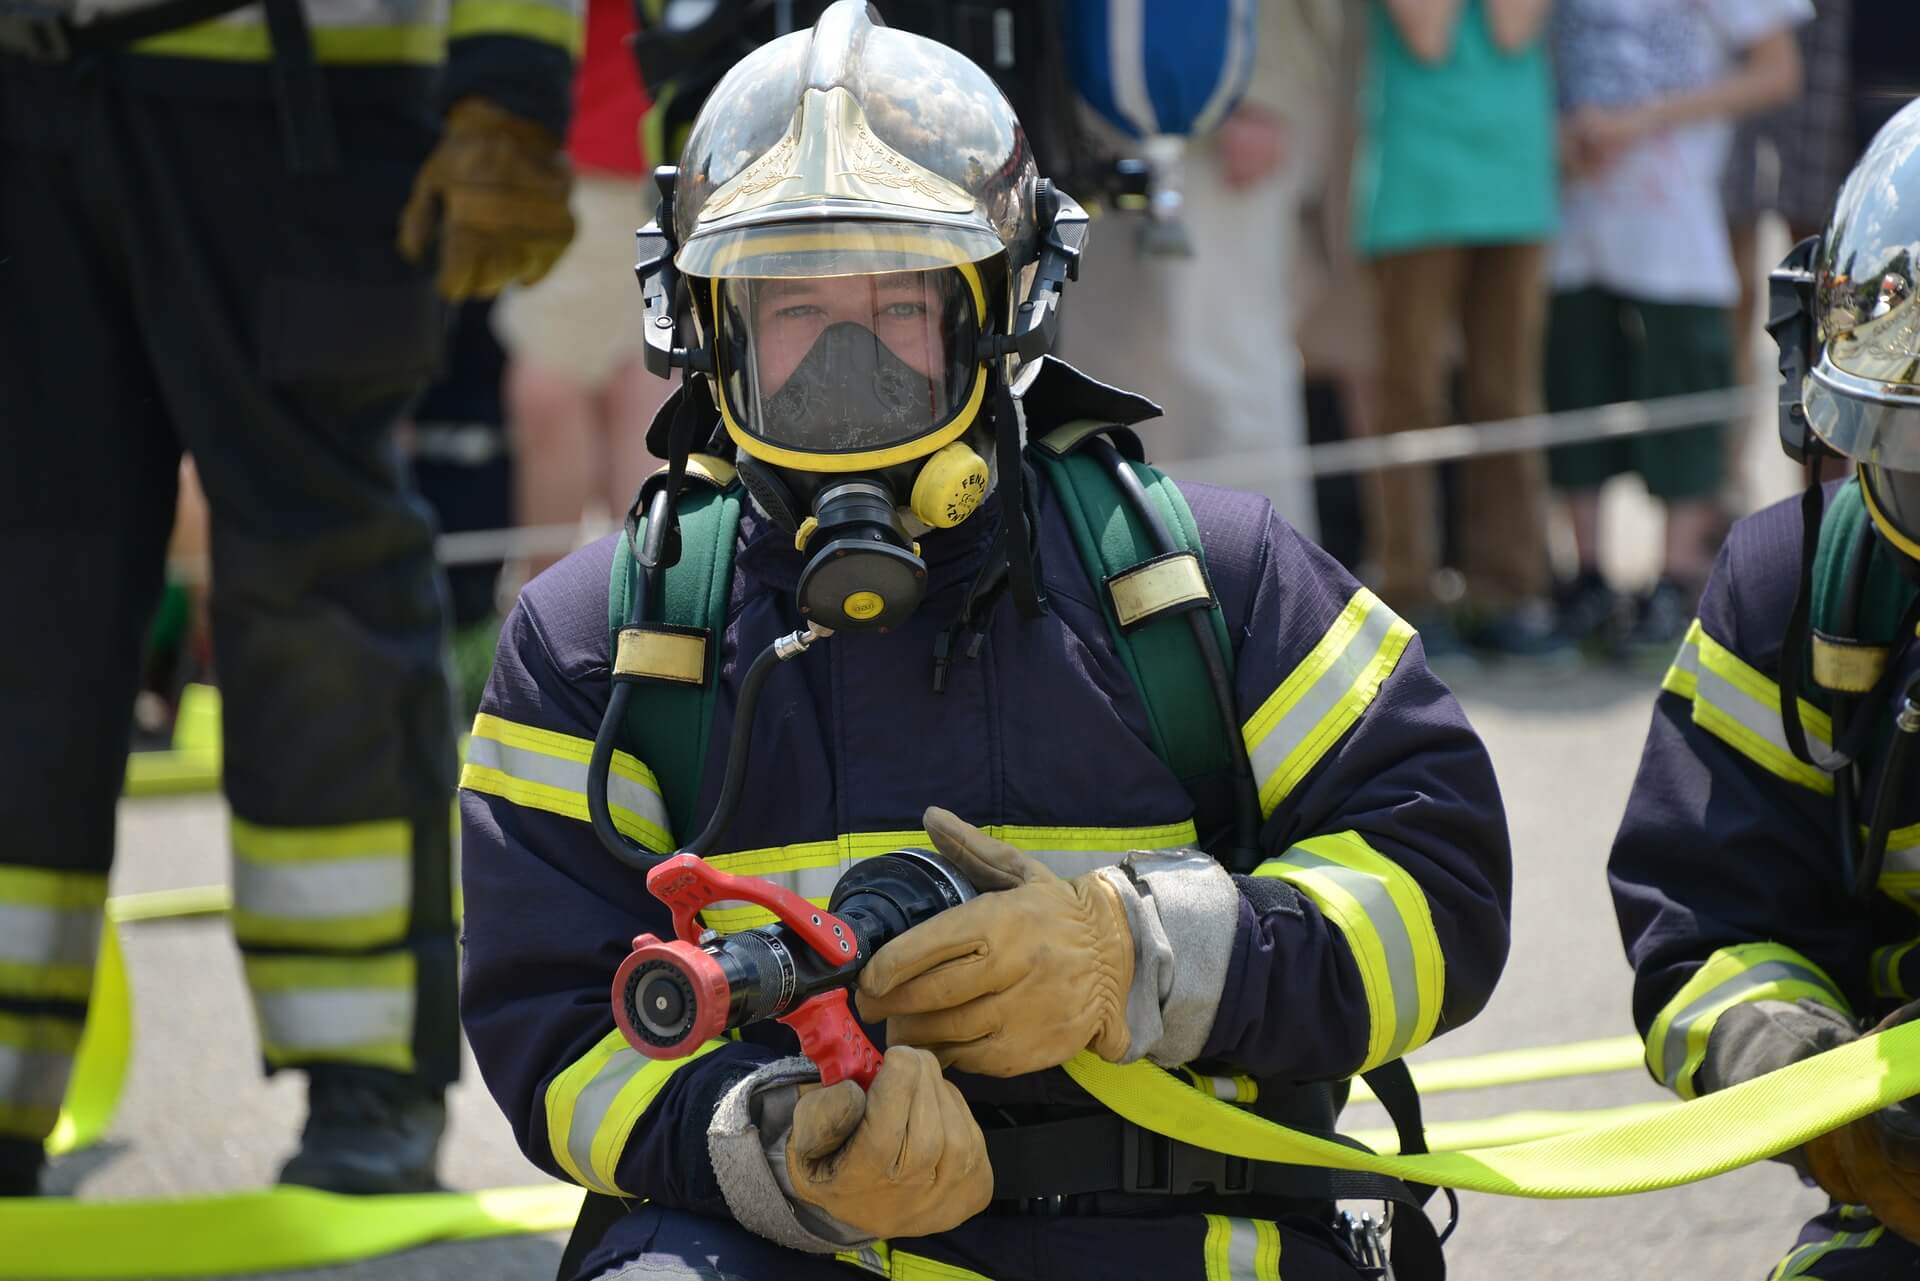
839,351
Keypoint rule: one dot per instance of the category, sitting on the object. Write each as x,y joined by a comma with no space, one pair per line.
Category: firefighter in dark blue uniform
1767,874
869,252
220,232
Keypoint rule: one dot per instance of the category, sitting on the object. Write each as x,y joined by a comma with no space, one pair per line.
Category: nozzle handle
687,883
833,1039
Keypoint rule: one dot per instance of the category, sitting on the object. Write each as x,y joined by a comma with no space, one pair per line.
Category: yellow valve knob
863,605
950,486
804,534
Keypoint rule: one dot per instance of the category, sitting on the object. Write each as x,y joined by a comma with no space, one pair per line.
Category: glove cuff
1178,895
747,1141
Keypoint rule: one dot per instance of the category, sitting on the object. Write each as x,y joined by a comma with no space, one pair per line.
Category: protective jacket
1378,918
1727,872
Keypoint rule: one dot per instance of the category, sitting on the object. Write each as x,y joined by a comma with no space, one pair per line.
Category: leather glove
1875,1161
495,189
1019,979
904,1159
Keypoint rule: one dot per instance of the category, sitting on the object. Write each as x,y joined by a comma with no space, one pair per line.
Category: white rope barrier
1256,469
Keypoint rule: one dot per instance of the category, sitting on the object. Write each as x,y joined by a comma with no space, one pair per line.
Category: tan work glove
1875,1161
495,190
1019,979
905,1158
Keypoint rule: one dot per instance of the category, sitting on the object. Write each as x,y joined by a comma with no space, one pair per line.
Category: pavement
197,1118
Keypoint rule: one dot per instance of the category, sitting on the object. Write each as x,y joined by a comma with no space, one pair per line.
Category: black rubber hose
600,764
1886,798
737,746
1246,813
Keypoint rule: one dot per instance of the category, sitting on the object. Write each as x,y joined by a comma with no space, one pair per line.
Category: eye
904,310
799,311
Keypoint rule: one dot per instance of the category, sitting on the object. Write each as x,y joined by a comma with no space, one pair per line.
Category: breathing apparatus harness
1857,675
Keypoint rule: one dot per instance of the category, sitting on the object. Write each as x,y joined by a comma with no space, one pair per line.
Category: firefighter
868,269
1765,873
221,228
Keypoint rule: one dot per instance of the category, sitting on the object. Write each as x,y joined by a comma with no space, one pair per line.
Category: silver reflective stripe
33,1080
818,882
1320,698
1675,1048
1752,714
1243,1250
1382,913
567,775
1905,859
590,1109
48,935
323,888
336,1018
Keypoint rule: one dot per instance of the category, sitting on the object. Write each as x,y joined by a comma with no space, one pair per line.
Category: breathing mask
851,398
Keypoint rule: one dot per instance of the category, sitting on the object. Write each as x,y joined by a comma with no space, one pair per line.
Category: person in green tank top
1453,198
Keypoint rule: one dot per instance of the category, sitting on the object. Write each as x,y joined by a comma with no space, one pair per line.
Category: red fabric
607,97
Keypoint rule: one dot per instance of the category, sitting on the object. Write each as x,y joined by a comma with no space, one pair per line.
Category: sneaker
1662,616
1528,630
21,1163
368,1132
1587,613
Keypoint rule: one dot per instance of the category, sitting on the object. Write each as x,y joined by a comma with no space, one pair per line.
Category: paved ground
197,1119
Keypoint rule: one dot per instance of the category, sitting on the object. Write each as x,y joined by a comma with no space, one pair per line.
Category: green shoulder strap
669,723
1848,654
1160,655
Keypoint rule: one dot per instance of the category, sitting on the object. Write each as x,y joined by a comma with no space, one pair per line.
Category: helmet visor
1867,421
840,372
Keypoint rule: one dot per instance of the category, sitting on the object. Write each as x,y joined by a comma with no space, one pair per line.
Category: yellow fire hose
1638,1148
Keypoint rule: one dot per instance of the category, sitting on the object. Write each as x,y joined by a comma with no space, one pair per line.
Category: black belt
1052,1161
41,33
1105,1165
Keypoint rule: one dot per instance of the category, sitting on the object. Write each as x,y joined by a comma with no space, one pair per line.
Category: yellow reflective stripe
1741,707
375,929
561,26
30,982
1883,969
545,770
918,1267
1238,1088
812,868
62,891
1241,1249
1677,1038
1320,700
1383,914
228,41
593,1105
872,1258
260,843
1900,874
335,1009
36,1059
1802,1258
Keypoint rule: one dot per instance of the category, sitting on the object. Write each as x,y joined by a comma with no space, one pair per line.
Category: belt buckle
1156,1165
36,32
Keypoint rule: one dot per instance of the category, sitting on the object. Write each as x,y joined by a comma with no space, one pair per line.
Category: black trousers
166,284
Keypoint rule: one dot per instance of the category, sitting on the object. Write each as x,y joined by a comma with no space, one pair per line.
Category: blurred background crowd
1416,213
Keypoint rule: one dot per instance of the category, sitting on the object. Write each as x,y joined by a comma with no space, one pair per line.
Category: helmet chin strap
1016,530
